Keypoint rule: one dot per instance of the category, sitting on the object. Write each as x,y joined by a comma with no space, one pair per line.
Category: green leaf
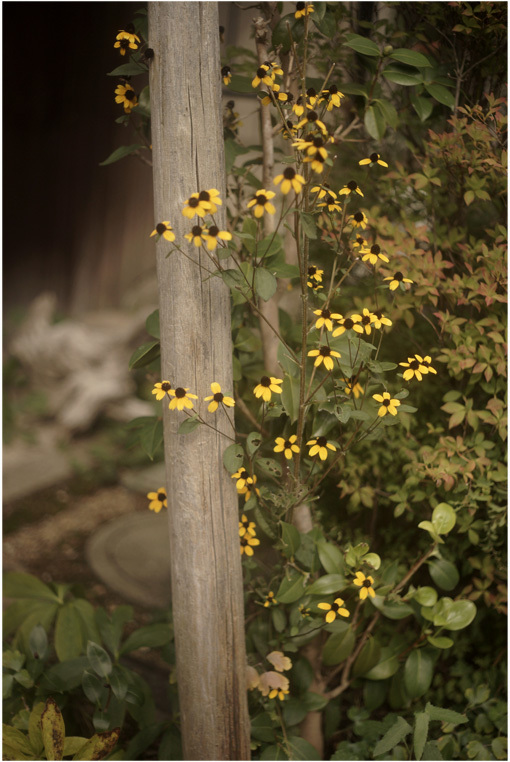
152,324
454,615
418,672
444,574
292,587
290,397
426,596
291,539
15,744
469,197
441,94
144,355
269,466
53,730
151,636
338,647
86,613
34,728
98,659
409,57
253,442
21,585
398,731
265,283
386,667
269,246
151,437
73,744
499,747
367,658
65,676
233,458
301,749
273,753
308,225
422,106
402,75
69,635
327,585
128,70
330,557
189,425
281,33
239,84
233,149
445,715
373,560
294,711
118,682
440,641
13,660
421,730
143,106
392,609
92,686
262,728
375,123
314,702
120,153
443,518
362,45
279,619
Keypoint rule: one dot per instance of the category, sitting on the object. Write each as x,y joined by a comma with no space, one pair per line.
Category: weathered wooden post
188,156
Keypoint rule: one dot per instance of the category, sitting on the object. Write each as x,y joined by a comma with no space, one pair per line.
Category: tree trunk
207,595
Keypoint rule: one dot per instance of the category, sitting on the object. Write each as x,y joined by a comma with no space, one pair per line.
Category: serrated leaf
421,730
144,355
445,715
398,731
362,45
409,57
120,153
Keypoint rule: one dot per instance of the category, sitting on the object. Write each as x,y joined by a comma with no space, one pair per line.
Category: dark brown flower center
149,54
329,199
348,323
312,270
230,104
244,475
265,381
300,6
318,142
311,92
374,157
398,276
366,320
289,173
193,202
129,95
204,196
196,230
165,386
213,231
378,314
180,392
322,441
160,228
375,249
386,402
326,314
287,445
161,497
414,365
312,116
358,217
218,397
261,73
333,90
225,71
366,583
325,351
261,199
352,185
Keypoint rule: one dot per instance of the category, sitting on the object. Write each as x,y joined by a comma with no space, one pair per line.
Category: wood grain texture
188,155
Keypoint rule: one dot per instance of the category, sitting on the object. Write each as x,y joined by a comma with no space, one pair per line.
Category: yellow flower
161,389
314,273
396,280
348,324
270,600
261,202
334,609
157,500
320,446
182,399
380,319
198,235
365,583
351,187
246,527
126,95
387,404
353,386
364,320
332,96
287,446
217,398
247,544
267,385
325,318
325,354
330,203
312,118
164,229
358,220
125,41
243,479
226,74
303,9
374,158
425,361
323,190
290,180
373,254
195,205
264,75
214,235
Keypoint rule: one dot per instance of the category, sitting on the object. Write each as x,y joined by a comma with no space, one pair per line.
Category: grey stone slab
131,555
